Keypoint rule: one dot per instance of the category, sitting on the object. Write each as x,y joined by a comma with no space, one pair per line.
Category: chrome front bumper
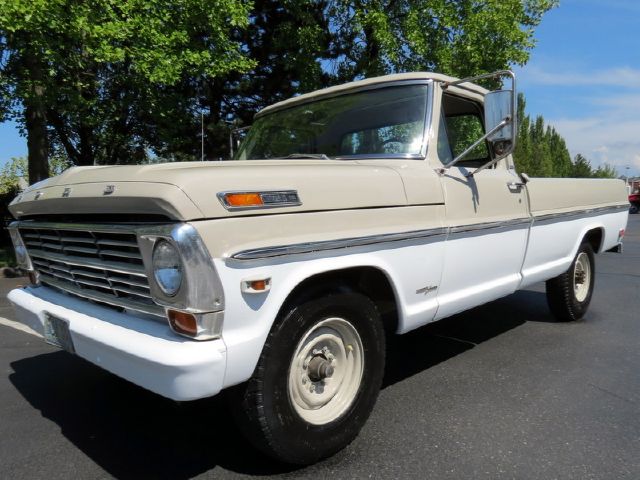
143,351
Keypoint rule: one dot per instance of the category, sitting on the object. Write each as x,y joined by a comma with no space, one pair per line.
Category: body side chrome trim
489,225
310,247
580,213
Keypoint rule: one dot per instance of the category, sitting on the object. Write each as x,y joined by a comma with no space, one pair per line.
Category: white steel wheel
317,379
582,277
569,294
326,371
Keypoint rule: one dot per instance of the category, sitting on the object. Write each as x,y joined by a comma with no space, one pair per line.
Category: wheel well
594,237
369,281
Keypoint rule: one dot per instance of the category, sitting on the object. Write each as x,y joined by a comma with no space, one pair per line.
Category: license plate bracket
56,332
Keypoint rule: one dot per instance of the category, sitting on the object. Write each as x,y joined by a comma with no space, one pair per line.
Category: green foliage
14,175
605,171
582,168
541,151
11,174
461,38
120,82
463,131
100,66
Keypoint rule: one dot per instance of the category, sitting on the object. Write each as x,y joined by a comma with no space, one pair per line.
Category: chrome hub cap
326,371
582,277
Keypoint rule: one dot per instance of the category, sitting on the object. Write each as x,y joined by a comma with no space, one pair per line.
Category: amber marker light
258,285
183,322
243,199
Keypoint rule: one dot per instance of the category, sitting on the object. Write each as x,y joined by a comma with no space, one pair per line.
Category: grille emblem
66,193
109,189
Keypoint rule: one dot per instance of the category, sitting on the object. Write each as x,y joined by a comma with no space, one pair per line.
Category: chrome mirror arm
486,165
501,125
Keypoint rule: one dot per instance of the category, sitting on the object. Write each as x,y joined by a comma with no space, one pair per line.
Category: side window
463,130
460,126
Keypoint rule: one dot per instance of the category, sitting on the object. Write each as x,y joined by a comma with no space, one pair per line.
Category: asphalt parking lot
497,392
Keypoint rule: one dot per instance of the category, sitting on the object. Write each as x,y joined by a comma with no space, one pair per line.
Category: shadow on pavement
427,346
132,433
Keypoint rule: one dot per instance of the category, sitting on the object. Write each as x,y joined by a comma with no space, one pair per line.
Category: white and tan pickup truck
347,214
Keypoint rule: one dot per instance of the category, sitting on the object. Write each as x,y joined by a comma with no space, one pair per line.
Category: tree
83,75
605,171
113,82
15,174
462,38
581,167
540,150
303,45
288,41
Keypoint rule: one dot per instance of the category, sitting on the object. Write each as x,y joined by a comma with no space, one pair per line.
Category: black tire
633,208
264,405
561,290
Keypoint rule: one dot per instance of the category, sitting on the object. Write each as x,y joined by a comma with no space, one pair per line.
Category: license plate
56,332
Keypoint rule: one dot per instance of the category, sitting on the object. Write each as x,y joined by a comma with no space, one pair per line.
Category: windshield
383,122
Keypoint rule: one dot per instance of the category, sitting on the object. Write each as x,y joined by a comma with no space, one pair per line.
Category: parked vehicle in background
357,211
634,200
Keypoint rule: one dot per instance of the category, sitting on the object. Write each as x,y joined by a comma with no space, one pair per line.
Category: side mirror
499,108
499,118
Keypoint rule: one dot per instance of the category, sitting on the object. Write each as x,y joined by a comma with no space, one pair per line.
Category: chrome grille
103,265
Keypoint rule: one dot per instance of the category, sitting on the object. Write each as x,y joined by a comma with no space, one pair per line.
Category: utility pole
201,136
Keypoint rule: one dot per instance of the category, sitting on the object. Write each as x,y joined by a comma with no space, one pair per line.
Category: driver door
487,214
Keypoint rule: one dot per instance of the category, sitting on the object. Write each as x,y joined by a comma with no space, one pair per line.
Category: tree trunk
36,126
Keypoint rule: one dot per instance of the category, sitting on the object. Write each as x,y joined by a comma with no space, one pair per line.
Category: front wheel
569,294
317,379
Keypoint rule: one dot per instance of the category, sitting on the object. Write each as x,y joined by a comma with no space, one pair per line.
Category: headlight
167,267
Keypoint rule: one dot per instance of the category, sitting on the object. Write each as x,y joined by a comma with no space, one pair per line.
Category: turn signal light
243,199
183,322
258,285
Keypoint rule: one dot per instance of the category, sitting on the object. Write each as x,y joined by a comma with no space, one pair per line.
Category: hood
188,191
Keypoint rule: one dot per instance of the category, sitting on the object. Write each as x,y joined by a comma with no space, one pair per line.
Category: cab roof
466,87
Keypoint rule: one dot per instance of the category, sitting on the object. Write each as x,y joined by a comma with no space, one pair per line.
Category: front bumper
140,350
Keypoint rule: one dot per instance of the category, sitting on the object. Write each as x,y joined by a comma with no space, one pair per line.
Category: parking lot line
18,326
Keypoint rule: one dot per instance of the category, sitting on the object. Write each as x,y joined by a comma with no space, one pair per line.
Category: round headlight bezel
167,248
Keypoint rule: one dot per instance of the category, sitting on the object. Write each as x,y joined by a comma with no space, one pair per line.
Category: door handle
515,186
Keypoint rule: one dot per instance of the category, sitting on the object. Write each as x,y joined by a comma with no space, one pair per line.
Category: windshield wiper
308,155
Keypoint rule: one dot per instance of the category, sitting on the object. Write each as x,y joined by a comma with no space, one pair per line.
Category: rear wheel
569,294
633,208
317,379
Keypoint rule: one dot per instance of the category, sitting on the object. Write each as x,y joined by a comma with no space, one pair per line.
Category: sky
583,76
